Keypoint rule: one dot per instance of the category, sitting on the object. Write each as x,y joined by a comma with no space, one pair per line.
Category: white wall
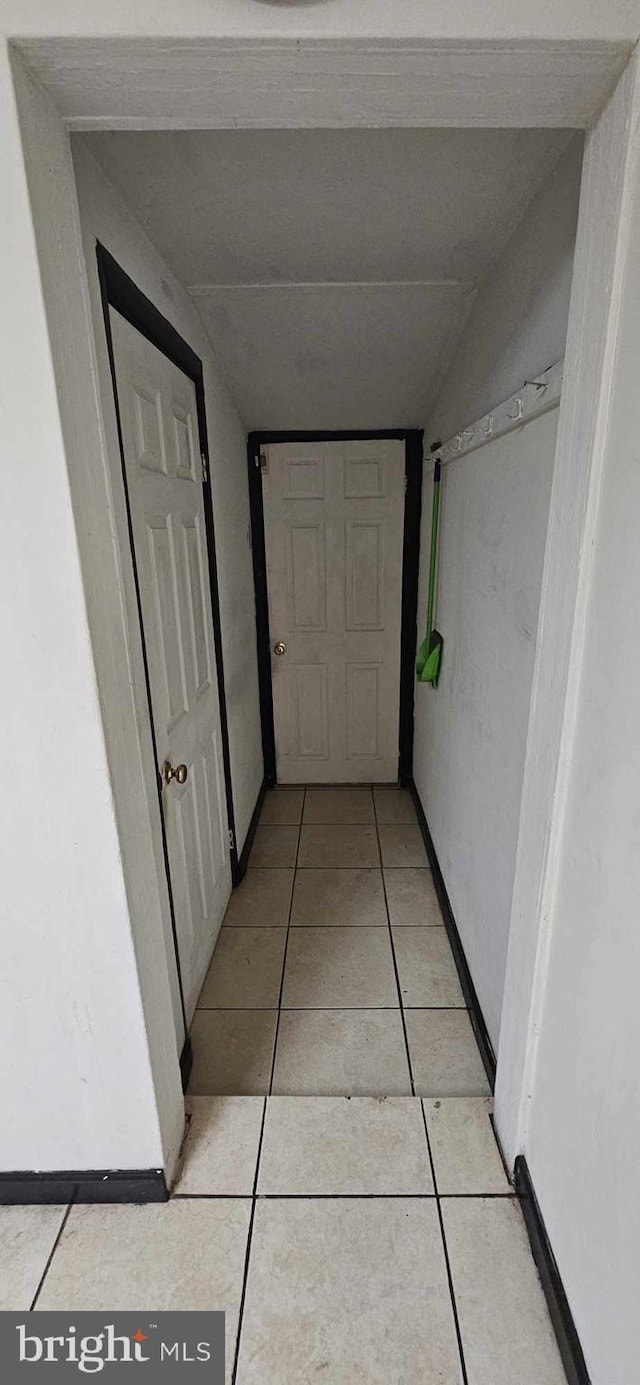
583,1132
105,217
89,1072
598,290
470,734
518,324
88,992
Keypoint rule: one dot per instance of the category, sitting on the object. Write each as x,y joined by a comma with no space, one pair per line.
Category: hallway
333,974
346,1240
341,1195
388,1130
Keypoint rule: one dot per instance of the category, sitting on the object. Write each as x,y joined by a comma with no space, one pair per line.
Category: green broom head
429,659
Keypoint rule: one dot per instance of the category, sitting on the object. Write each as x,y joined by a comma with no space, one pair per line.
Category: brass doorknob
179,773
280,647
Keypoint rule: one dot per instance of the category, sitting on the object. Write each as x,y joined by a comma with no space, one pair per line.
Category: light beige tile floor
466,1158
274,846
444,1055
393,806
426,969
338,845
401,844
335,1052
188,1253
319,1218
246,970
220,1153
338,806
353,898
392,1321
318,931
282,807
320,1146
339,968
506,1331
232,1052
315,1225
261,900
411,898
27,1237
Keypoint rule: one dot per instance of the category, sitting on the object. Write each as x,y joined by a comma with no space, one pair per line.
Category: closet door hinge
262,460
232,841
205,473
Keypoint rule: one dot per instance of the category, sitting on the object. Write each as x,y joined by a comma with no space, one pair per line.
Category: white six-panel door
334,516
158,413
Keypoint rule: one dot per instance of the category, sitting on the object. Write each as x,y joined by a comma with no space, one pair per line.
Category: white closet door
164,478
334,516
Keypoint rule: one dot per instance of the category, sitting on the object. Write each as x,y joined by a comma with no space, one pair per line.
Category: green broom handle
433,557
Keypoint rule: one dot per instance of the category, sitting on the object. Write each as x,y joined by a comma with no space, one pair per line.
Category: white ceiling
337,356
333,268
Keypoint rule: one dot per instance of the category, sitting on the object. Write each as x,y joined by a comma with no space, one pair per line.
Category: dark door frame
413,441
120,292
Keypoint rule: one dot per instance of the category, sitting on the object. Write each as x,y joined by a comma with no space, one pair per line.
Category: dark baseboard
186,1063
559,1310
243,858
468,989
83,1185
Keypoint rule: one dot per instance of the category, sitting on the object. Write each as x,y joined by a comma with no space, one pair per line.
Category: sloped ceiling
333,269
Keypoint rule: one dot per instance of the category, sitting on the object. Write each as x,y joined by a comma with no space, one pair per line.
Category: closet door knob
280,647
179,773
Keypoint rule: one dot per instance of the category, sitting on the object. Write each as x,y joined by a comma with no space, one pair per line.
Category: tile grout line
245,1276
393,950
54,1248
315,1009
352,1197
454,1306
343,824
286,944
279,927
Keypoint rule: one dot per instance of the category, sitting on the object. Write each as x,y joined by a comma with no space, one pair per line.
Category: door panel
334,519
363,711
166,655
158,413
307,577
364,576
310,712
199,663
